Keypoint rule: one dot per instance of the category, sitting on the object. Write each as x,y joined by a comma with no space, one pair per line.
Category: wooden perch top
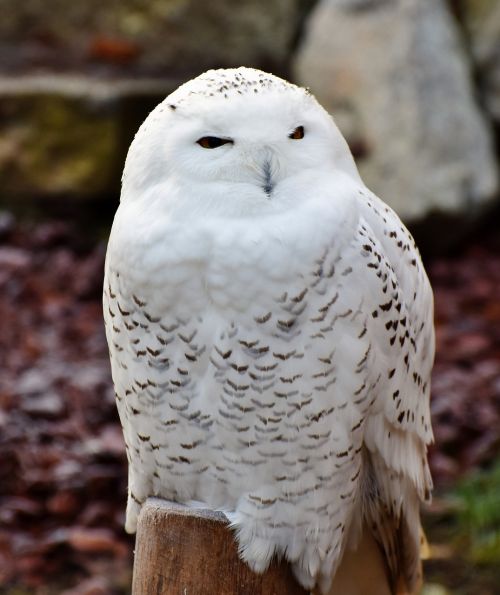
185,551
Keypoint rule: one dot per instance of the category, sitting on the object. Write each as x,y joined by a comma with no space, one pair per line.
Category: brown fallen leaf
114,49
98,541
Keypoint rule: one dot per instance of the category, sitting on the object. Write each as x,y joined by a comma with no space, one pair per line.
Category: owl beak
268,180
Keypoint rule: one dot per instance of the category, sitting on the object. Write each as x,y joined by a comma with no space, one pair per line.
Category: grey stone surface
67,137
482,23
395,76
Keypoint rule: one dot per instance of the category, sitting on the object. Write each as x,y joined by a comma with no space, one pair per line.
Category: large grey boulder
67,137
395,76
482,23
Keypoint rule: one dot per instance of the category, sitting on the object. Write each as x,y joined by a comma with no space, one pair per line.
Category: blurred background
415,87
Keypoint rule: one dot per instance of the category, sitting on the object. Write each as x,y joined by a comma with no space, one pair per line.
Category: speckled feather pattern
272,365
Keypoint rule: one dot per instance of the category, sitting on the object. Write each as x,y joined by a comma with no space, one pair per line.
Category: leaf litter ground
62,459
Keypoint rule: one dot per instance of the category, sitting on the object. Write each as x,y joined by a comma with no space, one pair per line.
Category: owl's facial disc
235,142
266,167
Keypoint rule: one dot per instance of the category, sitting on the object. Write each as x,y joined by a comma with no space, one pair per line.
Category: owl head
234,142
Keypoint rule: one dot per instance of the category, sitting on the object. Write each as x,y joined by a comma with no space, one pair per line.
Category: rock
68,137
482,24
146,37
395,76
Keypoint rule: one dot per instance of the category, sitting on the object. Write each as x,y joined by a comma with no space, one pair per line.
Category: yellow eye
297,134
212,142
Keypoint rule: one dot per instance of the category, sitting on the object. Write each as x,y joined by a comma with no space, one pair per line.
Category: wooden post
185,551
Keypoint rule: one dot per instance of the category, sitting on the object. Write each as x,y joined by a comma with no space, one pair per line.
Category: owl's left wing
400,322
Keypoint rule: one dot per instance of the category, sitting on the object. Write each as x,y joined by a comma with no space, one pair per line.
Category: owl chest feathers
250,343
226,263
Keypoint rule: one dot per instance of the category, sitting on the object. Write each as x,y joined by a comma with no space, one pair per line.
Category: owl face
235,141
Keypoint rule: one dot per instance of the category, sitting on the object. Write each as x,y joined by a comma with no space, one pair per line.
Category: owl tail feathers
401,587
362,570
399,540
391,512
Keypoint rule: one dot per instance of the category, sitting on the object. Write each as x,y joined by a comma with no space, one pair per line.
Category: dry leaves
62,461
466,381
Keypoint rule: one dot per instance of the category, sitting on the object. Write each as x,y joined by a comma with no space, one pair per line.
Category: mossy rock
67,138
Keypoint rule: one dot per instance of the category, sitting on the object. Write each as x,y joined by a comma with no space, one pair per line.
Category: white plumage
270,329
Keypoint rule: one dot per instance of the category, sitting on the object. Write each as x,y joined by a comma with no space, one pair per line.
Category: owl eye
212,142
297,134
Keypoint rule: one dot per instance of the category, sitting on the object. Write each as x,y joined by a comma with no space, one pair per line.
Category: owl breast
233,381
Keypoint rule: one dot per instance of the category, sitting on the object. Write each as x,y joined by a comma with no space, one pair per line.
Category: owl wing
399,428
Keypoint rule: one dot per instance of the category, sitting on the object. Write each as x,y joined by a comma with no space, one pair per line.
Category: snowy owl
270,330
